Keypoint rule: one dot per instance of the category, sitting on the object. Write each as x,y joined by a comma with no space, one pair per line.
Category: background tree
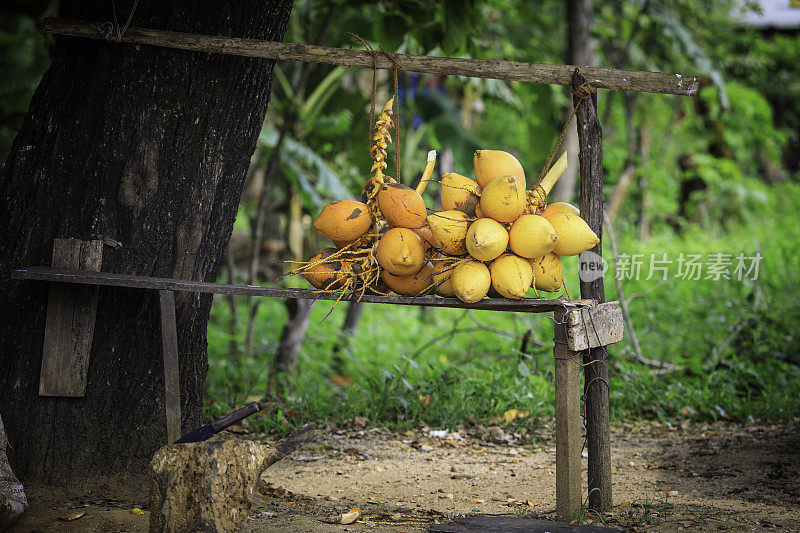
145,146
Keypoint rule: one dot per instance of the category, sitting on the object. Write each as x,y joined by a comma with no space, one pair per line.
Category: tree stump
12,496
208,486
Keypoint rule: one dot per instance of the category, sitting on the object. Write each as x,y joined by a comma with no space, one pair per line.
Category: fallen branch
486,327
442,337
662,366
632,296
296,440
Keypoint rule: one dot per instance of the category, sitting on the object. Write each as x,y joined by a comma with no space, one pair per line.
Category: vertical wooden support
568,423
598,437
69,326
169,346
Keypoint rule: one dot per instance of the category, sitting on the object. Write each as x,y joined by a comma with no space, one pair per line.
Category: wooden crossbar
85,277
627,80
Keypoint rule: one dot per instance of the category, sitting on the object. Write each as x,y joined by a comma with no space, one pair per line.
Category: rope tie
395,103
396,111
581,92
107,29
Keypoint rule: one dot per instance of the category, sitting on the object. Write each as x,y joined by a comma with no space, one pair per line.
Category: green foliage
747,126
23,60
528,130
729,196
746,327
733,337
736,365
768,64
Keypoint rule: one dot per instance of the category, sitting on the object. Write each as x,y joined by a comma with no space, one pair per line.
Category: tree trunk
147,146
292,337
625,180
349,329
581,52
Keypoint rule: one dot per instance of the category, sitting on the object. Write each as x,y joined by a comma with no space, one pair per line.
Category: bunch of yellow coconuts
492,237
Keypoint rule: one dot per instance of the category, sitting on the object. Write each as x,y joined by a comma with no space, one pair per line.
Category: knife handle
234,417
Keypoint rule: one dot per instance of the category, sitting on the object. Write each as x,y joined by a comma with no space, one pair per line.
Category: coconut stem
426,174
381,139
553,174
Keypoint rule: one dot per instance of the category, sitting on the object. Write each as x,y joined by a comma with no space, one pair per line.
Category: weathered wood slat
568,423
169,351
627,80
69,326
594,327
598,433
527,305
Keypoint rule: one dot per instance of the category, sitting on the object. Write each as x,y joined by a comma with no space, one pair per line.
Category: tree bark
349,329
147,146
292,337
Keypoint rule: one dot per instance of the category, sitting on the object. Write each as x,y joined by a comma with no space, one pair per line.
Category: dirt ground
694,478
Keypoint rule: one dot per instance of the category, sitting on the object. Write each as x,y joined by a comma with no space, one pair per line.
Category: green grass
475,373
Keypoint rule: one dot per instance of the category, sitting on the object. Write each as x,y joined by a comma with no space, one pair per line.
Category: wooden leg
590,140
172,384
568,424
598,441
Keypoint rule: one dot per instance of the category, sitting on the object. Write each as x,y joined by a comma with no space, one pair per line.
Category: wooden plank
568,424
507,524
527,305
598,433
626,80
594,327
169,350
69,326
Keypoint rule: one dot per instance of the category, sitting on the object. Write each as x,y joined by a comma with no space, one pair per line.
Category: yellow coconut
492,293
493,164
532,236
370,185
511,276
560,207
449,229
443,280
400,251
487,239
342,244
547,273
471,280
504,199
459,192
343,220
574,234
325,275
427,237
402,206
413,284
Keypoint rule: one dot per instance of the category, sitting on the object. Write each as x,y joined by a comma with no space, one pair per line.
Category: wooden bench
569,325
579,325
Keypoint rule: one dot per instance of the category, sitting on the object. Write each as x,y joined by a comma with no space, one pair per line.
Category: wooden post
598,438
568,423
69,326
172,383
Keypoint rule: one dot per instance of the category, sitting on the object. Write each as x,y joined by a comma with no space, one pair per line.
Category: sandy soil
701,478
